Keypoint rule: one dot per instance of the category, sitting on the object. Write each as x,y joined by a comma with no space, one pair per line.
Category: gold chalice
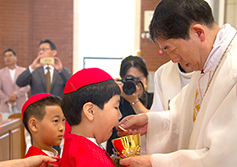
127,146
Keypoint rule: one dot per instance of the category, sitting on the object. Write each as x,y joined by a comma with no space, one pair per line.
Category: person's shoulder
34,151
39,70
3,69
77,146
75,141
21,68
160,69
66,70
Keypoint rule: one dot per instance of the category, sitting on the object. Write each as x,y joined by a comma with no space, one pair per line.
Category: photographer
48,75
133,72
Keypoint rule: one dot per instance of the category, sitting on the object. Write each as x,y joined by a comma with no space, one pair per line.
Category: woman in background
133,68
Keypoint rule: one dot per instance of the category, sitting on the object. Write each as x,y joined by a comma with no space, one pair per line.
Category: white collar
50,67
216,52
184,74
93,140
53,153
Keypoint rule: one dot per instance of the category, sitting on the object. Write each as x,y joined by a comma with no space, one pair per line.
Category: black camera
129,84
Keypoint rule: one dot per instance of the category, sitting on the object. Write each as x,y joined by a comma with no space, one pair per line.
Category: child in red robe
44,120
91,106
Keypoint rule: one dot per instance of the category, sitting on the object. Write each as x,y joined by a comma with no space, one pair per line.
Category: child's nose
62,127
119,114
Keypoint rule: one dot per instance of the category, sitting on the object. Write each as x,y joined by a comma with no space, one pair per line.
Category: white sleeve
210,146
157,104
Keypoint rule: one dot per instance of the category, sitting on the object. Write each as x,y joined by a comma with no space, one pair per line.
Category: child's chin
106,139
57,143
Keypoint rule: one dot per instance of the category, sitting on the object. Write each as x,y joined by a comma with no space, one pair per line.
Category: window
109,64
104,33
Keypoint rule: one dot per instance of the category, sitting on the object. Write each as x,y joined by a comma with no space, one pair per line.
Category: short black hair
98,94
52,45
133,61
9,50
37,109
173,18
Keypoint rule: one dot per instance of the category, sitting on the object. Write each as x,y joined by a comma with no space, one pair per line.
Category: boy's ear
88,109
32,124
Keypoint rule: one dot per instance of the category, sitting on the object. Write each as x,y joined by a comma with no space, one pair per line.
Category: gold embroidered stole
200,92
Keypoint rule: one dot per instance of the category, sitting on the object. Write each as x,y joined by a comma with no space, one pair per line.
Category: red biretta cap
33,99
84,77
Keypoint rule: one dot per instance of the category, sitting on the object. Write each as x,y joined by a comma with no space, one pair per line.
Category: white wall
105,29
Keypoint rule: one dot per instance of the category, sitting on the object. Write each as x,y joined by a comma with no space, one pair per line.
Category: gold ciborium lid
127,146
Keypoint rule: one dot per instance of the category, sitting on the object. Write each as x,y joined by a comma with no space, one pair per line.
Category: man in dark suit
39,72
35,74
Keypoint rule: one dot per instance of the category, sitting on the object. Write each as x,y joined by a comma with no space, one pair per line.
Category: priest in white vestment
200,129
169,79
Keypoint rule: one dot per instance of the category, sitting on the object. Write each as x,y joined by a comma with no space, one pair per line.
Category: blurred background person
36,74
133,72
12,96
169,79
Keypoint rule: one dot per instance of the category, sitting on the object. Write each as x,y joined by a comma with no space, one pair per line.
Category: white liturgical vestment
210,141
168,82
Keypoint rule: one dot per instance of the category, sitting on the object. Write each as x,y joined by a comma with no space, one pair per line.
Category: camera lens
129,87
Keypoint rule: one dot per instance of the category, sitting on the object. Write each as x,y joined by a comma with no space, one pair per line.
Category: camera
47,60
129,84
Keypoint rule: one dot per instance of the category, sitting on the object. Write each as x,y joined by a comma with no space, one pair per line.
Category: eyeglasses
43,49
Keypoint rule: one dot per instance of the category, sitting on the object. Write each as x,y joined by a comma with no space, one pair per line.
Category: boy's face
106,119
51,128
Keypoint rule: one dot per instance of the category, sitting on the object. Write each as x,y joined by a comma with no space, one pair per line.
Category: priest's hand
133,124
137,161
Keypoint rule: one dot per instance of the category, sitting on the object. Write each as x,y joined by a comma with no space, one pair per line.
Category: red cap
84,77
33,99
